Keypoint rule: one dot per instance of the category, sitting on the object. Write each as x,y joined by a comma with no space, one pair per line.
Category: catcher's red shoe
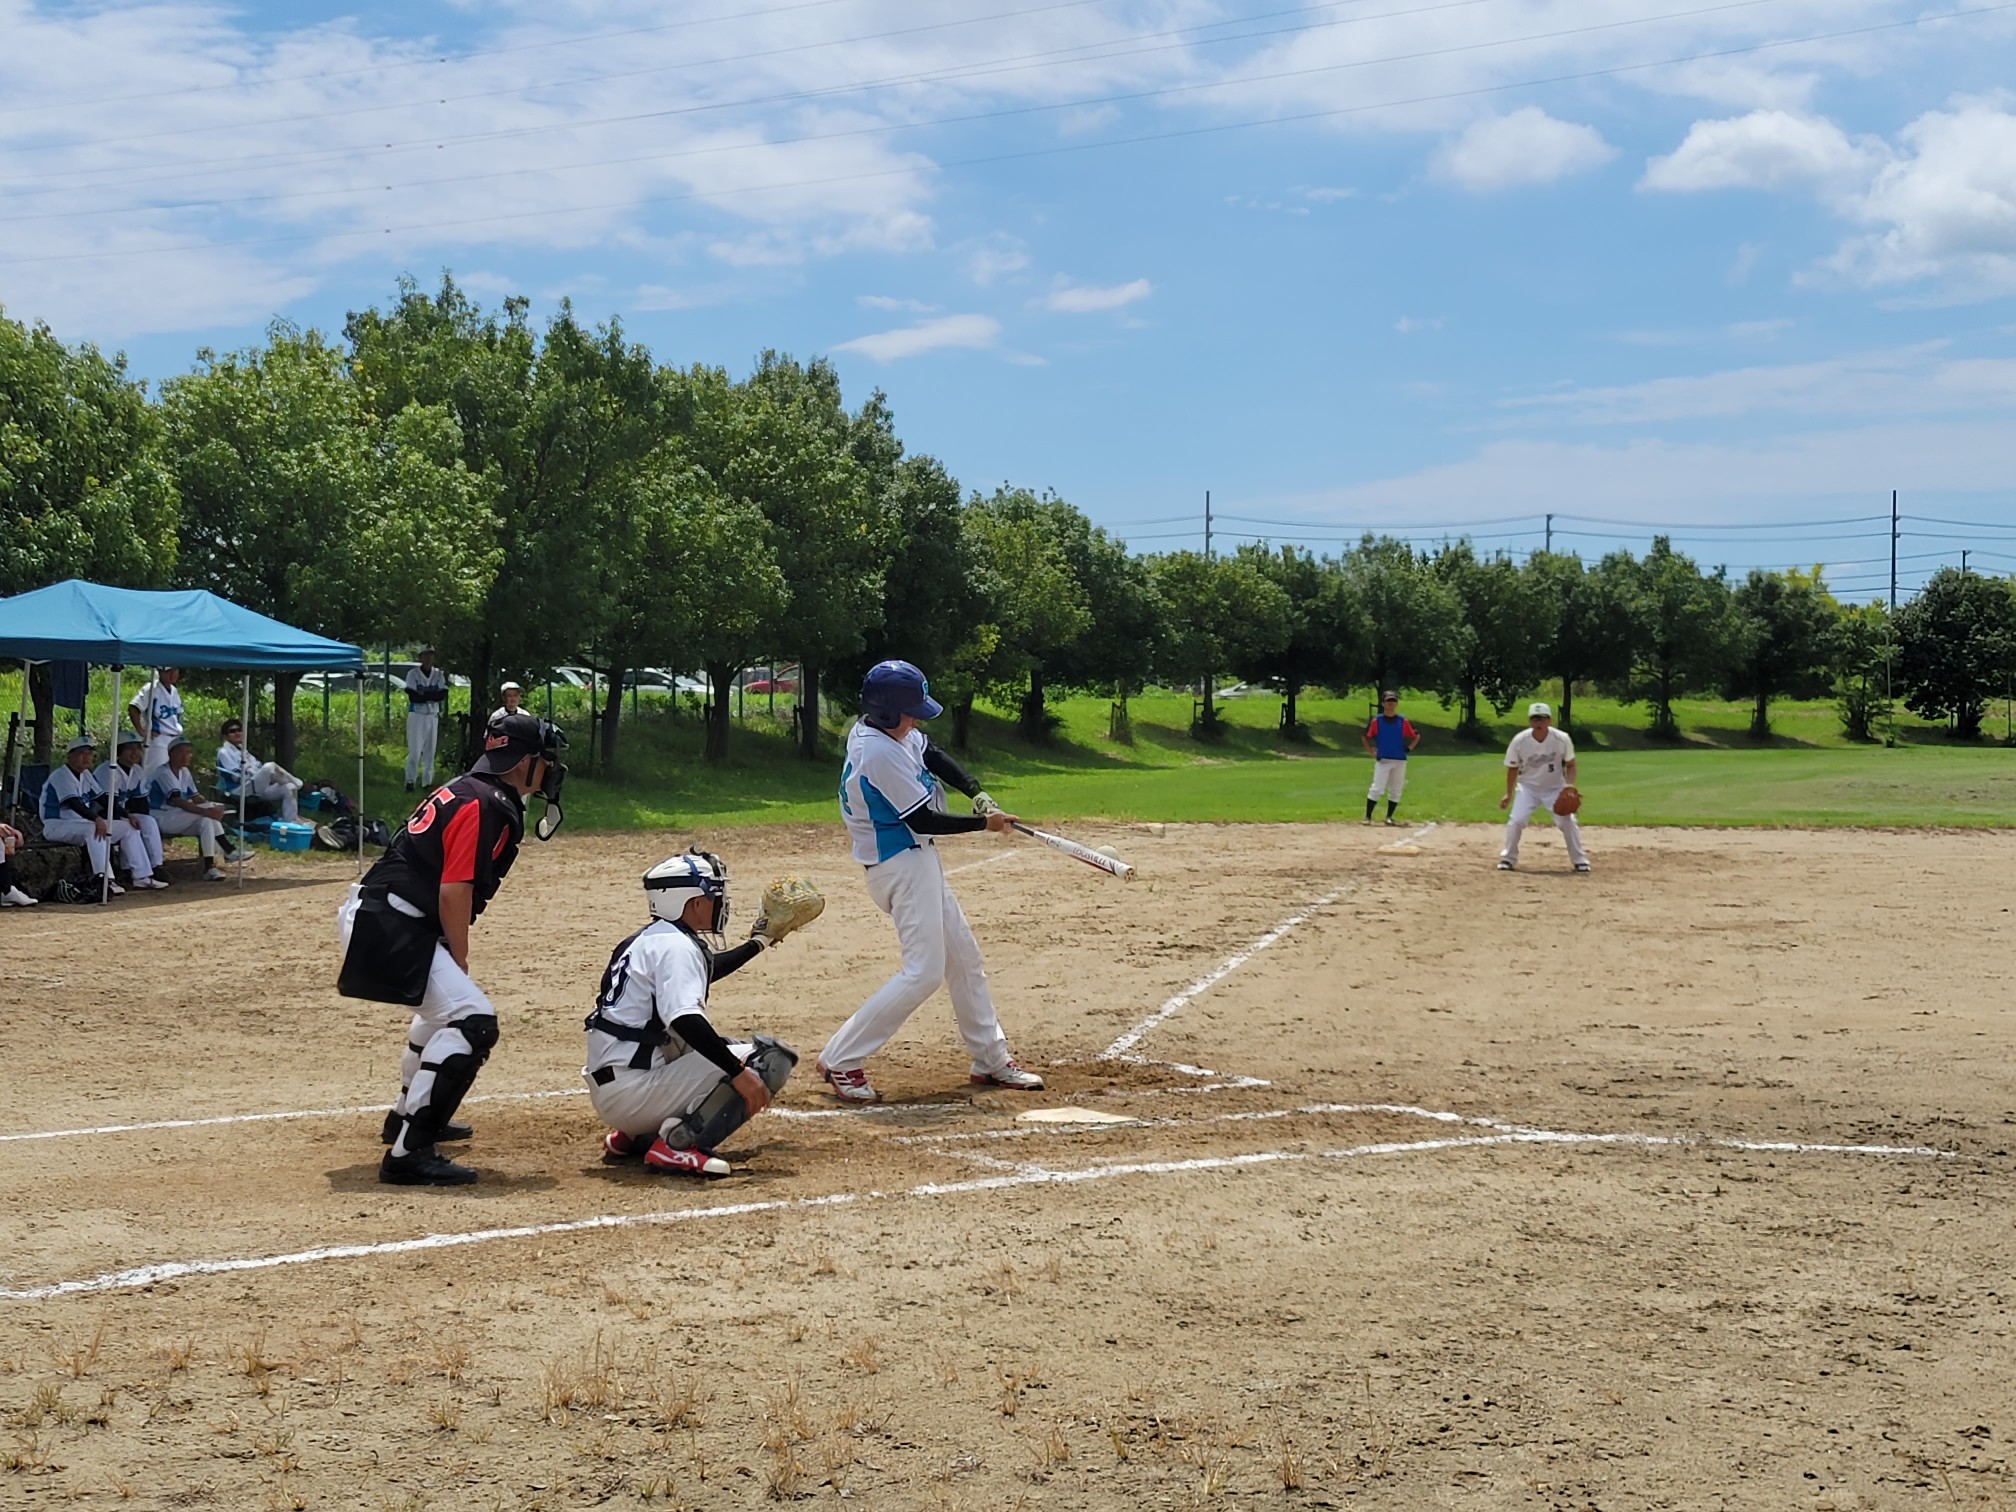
663,1157
616,1145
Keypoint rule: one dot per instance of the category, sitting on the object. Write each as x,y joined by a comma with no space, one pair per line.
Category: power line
1042,152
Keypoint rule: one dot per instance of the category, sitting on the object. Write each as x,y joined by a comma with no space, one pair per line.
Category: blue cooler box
284,836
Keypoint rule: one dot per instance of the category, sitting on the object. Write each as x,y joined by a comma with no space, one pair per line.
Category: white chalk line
953,871
1175,1005
280,1117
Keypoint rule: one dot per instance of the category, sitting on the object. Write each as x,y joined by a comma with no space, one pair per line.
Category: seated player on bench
659,1073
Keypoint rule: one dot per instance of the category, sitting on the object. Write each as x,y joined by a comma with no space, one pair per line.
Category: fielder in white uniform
1539,762
659,1073
267,782
74,812
893,806
426,697
125,784
156,712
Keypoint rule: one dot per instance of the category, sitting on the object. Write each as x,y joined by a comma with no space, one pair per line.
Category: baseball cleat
150,884
422,1168
15,898
848,1086
1504,865
113,889
1011,1076
216,874
662,1157
616,1145
449,1131
1582,866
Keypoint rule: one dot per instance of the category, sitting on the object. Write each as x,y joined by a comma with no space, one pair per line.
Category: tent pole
245,716
360,768
105,886
14,777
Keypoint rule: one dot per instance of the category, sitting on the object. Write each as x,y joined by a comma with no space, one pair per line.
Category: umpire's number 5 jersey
466,831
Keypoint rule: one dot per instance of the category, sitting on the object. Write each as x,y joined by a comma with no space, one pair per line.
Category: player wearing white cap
513,697
75,812
893,804
124,783
180,808
1539,765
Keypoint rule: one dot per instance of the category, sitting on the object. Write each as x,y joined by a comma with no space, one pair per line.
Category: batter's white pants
1388,779
175,821
938,947
1527,801
423,734
432,1036
648,1103
71,830
271,783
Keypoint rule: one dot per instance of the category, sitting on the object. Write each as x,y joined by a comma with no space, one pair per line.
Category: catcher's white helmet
677,880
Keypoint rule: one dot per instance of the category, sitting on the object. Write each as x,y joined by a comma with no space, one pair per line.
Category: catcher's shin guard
453,1075
722,1111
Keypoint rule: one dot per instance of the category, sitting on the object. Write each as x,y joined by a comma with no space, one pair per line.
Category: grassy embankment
1806,774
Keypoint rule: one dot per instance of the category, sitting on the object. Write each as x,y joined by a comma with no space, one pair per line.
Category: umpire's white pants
70,830
644,1104
1526,801
175,821
938,947
1389,778
423,734
450,997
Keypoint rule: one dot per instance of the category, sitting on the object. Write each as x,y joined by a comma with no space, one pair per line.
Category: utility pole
1893,551
1965,553
1890,633
1550,534
1207,524
1205,718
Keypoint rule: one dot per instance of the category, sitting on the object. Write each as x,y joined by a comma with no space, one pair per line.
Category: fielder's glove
788,903
1567,801
984,804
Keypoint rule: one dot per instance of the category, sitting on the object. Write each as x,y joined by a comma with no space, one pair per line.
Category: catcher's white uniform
1542,768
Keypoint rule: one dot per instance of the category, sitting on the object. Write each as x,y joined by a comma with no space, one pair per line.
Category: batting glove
983,805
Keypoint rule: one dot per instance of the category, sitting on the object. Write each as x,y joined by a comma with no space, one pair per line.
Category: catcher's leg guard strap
722,1111
459,1052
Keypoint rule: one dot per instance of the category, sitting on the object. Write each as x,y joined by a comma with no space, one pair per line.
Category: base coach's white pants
1389,778
938,947
1526,801
132,845
644,1104
423,733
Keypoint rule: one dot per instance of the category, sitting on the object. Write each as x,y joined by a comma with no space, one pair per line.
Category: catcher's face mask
552,778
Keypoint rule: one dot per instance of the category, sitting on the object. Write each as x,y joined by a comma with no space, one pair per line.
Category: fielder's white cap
81,743
1539,711
510,687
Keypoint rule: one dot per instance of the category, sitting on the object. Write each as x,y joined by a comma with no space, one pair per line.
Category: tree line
527,498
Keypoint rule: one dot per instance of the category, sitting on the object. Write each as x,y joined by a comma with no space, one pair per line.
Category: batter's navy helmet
893,689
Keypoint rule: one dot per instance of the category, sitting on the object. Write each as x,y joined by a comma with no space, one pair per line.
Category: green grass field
1806,774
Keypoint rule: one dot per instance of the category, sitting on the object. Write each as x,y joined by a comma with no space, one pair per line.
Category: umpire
404,932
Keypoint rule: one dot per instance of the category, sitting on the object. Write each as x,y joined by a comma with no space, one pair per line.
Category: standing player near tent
404,932
893,806
155,711
1387,740
426,697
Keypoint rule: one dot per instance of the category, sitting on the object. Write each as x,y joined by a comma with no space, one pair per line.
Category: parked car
771,685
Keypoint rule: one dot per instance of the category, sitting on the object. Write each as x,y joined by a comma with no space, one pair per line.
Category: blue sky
1344,265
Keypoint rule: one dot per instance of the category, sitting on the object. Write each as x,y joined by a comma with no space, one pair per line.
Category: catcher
1540,778
659,1073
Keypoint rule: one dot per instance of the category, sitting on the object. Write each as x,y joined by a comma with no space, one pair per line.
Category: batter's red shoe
662,1157
616,1145
848,1086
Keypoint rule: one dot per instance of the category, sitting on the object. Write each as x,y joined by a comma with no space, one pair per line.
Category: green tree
1035,604
1220,612
1507,619
1326,627
931,597
1413,620
1595,631
1786,623
1689,631
1117,652
300,503
1952,647
1860,662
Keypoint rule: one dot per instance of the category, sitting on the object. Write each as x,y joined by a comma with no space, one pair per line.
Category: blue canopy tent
187,627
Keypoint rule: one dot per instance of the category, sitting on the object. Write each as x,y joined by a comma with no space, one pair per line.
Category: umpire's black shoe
451,1132
423,1167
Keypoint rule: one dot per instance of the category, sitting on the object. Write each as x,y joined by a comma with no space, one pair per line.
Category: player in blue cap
892,798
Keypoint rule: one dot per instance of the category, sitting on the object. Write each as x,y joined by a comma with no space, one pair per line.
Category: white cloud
1766,149
996,257
1323,194
889,302
1408,325
1528,146
946,332
1081,299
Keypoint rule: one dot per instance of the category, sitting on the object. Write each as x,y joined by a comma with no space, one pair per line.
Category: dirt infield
1684,1184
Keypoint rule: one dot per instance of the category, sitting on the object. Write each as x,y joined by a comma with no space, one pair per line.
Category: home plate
1081,1116
1400,848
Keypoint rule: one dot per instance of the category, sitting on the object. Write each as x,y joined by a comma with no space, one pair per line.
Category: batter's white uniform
67,827
659,975
1542,767
423,723
160,710
884,781
163,783
118,781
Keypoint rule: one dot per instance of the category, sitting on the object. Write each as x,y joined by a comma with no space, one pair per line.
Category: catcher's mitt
788,903
1567,801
